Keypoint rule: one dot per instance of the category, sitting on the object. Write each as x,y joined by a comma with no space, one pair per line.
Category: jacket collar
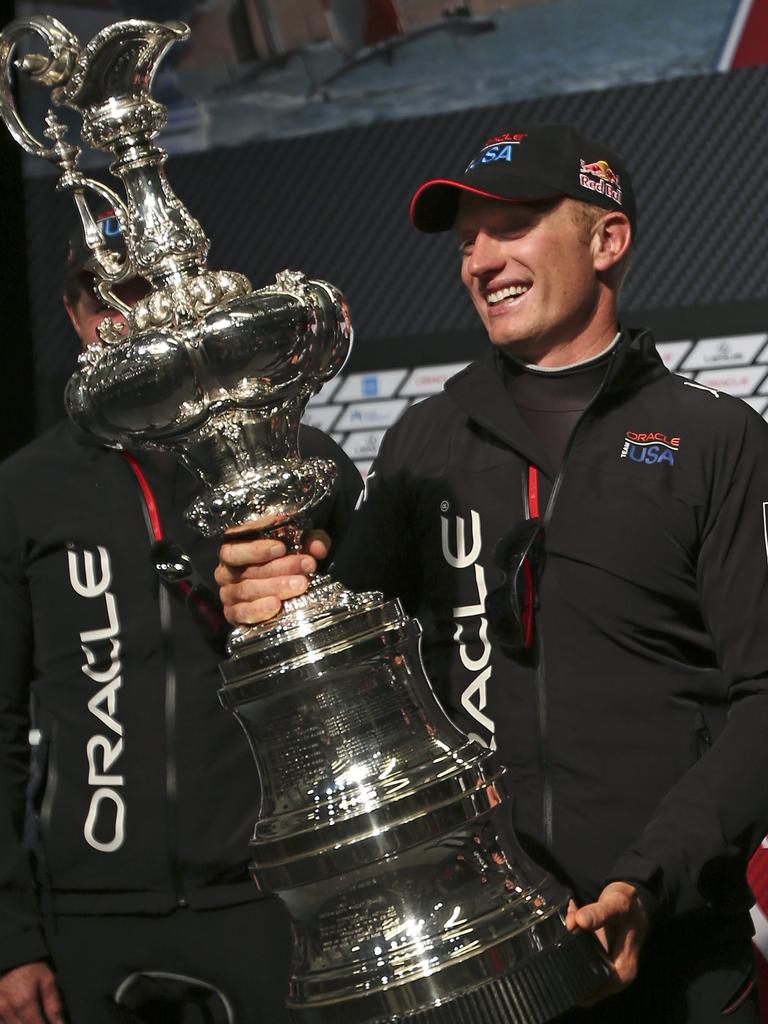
479,390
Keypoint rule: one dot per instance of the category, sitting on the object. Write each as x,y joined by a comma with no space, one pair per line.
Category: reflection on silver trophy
382,827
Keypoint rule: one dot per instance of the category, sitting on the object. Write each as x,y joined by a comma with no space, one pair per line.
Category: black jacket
148,791
636,739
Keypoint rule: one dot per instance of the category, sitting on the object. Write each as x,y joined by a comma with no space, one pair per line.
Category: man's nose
486,255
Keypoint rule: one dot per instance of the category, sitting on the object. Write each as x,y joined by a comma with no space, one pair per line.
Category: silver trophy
384,829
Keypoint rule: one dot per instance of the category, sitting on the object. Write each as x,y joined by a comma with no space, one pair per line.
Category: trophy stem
165,243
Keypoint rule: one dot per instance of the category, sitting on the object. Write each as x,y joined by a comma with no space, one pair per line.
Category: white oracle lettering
91,587
461,559
478,688
107,632
474,664
109,754
110,672
100,796
107,694
462,552
104,826
466,610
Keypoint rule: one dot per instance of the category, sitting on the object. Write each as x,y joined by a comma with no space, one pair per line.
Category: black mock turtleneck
551,401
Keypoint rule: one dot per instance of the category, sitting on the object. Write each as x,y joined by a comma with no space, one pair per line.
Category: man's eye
465,248
513,231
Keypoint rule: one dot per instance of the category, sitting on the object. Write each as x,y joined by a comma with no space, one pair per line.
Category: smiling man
583,538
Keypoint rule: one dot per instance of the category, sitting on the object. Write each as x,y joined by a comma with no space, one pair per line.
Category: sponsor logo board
363,444
321,416
758,402
731,351
326,392
672,353
429,380
378,398
739,382
377,384
371,415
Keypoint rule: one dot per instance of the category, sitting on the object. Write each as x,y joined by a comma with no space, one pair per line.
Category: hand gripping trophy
382,827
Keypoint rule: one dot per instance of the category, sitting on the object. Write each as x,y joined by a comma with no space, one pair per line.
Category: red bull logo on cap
607,180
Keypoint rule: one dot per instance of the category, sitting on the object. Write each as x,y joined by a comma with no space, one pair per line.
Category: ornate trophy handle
55,70
52,70
107,266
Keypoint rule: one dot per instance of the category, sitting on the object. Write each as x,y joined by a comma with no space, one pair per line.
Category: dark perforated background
335,206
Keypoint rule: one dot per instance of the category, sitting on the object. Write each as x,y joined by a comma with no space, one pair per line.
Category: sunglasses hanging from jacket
511,608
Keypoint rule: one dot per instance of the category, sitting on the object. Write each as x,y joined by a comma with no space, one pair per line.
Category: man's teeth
507,293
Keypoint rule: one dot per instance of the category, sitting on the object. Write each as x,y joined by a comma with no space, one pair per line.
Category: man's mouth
514,291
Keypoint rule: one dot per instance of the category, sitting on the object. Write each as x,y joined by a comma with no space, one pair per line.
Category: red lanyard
533,492
149,498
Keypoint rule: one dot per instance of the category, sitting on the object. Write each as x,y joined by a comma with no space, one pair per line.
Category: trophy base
538,991
388,834
534,991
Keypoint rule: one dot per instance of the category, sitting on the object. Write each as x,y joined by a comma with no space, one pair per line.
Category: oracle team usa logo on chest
651,448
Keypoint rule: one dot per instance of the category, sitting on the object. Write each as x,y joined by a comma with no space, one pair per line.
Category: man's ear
71,314
611,240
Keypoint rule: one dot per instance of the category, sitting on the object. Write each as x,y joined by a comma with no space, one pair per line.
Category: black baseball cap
530,162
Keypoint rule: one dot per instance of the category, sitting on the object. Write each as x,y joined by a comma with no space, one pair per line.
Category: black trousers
242,951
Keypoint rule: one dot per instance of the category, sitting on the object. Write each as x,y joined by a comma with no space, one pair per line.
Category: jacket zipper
171,787
530,480
44,822
51,785
154,531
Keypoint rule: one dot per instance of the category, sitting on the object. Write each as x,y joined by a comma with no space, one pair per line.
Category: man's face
87,310
529,269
